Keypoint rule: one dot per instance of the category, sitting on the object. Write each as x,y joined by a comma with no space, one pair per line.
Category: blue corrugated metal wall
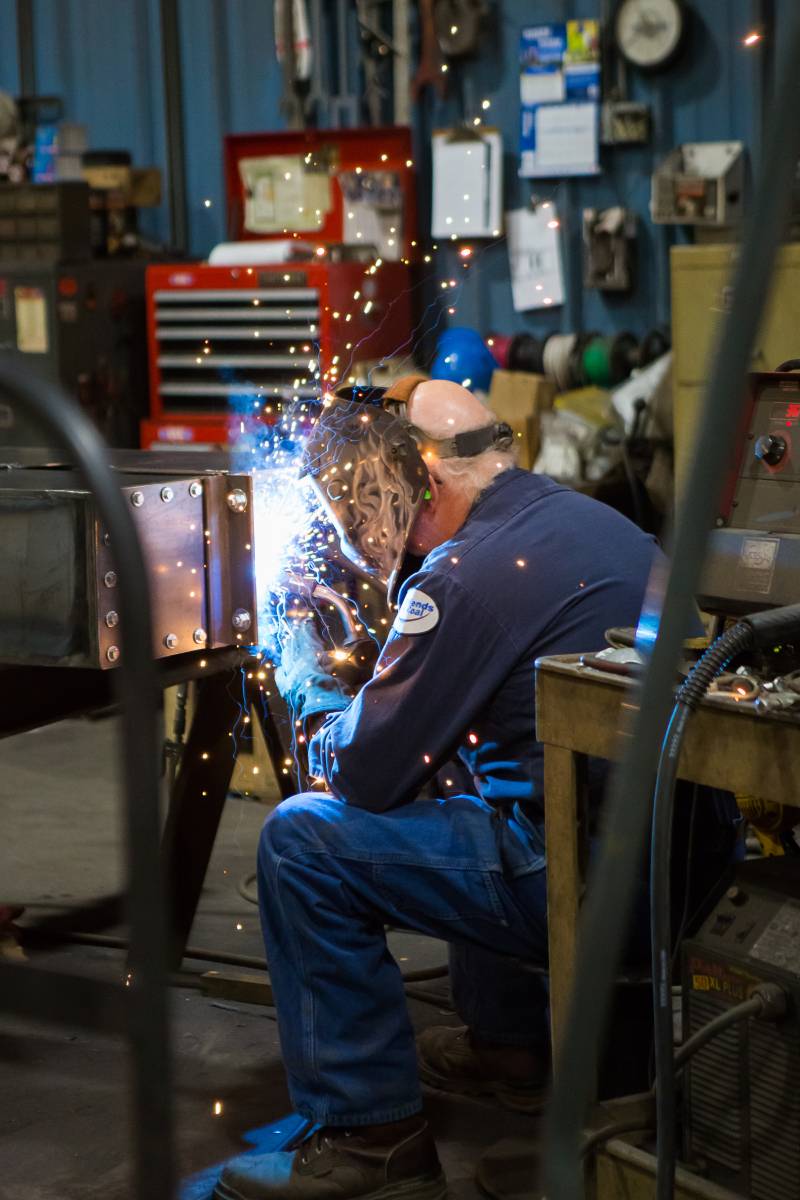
103,56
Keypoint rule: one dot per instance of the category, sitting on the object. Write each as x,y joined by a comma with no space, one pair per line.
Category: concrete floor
63,1098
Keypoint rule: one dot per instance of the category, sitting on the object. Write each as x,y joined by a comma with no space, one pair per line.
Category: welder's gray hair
470,476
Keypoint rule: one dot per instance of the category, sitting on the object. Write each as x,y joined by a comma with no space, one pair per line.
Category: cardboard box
519,399
140,187
111,178
145,187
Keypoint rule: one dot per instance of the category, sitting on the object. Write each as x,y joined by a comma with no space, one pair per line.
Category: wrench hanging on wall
294,52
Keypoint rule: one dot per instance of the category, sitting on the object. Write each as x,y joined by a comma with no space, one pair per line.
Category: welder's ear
432,491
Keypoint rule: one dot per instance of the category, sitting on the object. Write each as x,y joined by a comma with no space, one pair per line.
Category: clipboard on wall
467,183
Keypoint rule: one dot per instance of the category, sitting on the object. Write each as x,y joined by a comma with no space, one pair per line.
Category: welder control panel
753,558
767,490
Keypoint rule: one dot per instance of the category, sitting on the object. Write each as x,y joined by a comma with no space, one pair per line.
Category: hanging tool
459,25
376,52
430,71
343,105
294,52
401,38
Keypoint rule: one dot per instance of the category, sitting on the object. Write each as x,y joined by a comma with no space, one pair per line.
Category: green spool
597,361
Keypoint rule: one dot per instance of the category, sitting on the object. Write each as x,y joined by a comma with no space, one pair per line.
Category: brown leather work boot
374,1162
453,1060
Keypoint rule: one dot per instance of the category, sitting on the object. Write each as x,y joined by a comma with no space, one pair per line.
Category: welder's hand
302,678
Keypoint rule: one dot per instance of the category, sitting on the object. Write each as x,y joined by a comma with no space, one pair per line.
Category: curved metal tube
146,1000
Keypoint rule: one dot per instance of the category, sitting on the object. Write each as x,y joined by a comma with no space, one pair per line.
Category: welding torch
355,657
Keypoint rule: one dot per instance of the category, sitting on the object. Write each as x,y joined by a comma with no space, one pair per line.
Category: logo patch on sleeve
418,613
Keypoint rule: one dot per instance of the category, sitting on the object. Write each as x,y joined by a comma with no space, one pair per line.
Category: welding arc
610,891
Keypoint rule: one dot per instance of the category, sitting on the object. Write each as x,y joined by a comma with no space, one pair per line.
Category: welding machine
754,552
741,1115
336,210
742,1105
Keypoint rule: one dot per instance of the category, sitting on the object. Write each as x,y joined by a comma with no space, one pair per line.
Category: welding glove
306,686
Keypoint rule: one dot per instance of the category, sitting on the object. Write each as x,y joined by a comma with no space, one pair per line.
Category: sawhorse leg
197,801
201,787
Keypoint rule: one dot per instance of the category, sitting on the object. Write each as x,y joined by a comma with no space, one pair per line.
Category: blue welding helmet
463,357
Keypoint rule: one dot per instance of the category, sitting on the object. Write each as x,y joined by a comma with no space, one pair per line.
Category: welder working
491,567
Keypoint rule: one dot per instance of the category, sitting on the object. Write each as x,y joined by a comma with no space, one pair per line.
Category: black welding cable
713,662
250,962
767,1001
610,892
145,1007
739,1012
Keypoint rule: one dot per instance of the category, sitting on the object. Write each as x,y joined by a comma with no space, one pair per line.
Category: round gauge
648,32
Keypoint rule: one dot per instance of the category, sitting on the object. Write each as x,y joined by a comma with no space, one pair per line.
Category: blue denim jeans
330,877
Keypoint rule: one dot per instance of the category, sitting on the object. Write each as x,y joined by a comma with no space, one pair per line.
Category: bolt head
112,619
195,489
137,499
199,636
112,654
167,494
171,641
241,620
106,539
237,500
110,579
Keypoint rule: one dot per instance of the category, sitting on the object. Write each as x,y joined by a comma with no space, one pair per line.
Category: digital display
787,413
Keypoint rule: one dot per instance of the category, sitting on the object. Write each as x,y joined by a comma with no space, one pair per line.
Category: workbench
582,711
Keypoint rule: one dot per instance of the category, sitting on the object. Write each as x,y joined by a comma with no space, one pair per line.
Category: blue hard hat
463,356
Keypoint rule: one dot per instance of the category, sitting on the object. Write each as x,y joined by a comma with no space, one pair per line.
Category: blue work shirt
536,569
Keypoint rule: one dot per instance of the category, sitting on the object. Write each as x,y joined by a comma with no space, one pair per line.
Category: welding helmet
367,462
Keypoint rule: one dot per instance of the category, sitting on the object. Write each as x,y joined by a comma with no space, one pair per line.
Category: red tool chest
225,342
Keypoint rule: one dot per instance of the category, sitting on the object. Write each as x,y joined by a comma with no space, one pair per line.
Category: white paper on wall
534,256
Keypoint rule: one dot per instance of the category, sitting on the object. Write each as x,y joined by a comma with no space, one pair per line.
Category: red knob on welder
770,449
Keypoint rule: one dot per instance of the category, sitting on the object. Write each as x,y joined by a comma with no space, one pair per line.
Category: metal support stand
200,791
196,805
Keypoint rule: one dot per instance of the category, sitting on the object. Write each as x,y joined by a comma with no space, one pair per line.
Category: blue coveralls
536,569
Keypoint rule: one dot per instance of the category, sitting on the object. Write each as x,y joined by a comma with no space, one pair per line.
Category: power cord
767,1002
249,962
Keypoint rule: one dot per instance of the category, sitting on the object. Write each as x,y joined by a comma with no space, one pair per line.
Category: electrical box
228,341
701,298
624,123
609,241
81,325
699,183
